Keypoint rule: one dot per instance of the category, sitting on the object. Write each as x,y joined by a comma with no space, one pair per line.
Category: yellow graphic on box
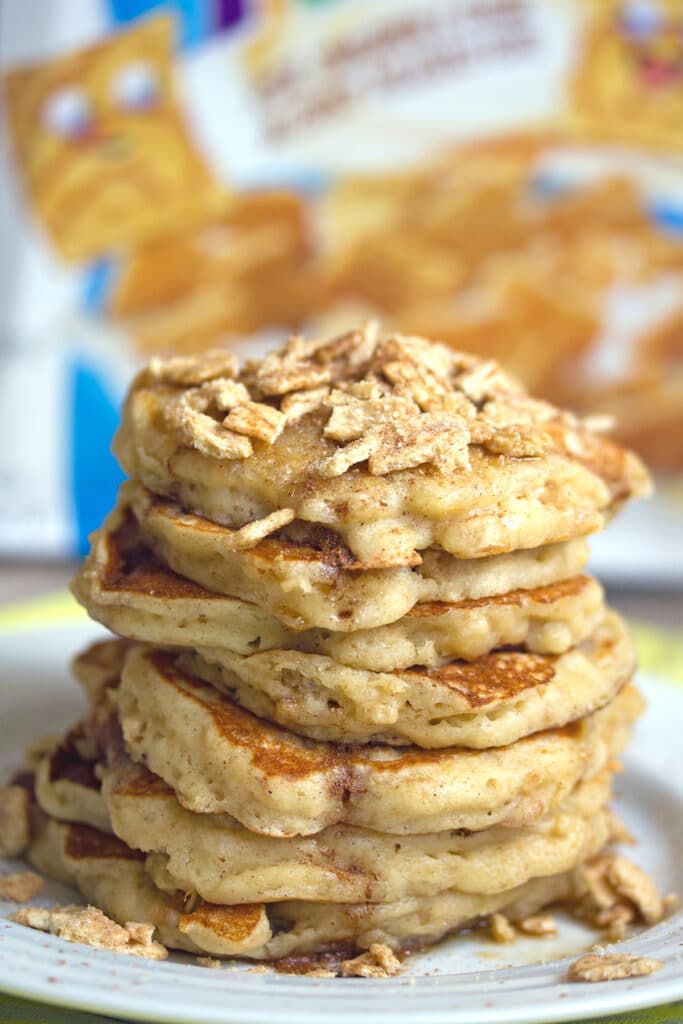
102,145
629,81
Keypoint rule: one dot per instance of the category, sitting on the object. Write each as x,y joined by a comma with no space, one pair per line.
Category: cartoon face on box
652,33
631,72
100,141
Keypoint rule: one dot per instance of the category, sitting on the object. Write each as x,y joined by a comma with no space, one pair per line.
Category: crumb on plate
208,961
21,886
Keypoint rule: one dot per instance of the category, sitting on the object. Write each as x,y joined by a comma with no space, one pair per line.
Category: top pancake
396,443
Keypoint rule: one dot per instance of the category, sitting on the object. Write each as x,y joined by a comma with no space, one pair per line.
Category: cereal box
504,175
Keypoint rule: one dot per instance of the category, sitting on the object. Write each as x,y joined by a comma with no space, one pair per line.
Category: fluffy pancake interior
220,758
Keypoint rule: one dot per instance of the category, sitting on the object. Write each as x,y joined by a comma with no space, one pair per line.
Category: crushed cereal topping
256,420
190,416
301,403
183,370
395,402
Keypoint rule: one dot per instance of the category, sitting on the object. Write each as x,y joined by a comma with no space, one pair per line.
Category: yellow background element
132,170
613,95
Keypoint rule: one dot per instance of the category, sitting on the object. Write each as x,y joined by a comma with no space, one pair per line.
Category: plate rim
626,996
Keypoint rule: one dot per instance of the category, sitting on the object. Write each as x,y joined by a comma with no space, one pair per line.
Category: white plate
467,980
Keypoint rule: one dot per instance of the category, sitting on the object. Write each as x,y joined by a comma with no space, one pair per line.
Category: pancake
543,619
114,878
216,857
220,758
98,667
127,588
342,864
66,785
490,702
124,585
367,694
317,583
396,443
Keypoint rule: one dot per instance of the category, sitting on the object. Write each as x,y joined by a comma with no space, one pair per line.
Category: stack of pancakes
364,692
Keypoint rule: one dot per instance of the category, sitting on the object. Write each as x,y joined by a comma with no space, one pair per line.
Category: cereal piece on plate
633,884
613,887
616,929
501,929
15,830
93,928
612,967
21,886
671,903
378,962
538,924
